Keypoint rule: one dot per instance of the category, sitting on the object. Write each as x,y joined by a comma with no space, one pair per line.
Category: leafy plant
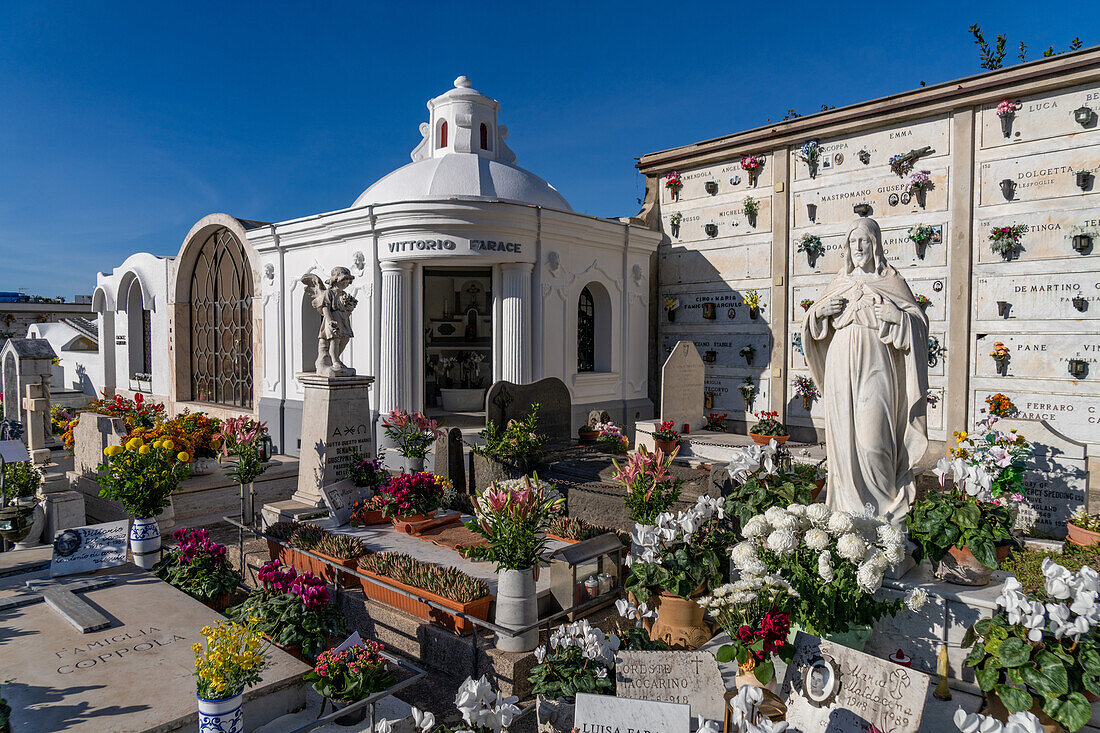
578,658
1081,518
230,658
947,518
352,674
762,489
767,423
576,529
666,431
811,244
921,234
306,536
366,472
197,565
142,476
513,517
445,581
1006,240
650,488
991,58
519,442
750,207
340,546
717,422
21,479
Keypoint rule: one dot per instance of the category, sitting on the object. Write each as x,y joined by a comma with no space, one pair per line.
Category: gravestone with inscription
506,401
94,547
605,714
336,424
829,687
340,498
448,459
25,362
690,678
1057,477
127,664
682,387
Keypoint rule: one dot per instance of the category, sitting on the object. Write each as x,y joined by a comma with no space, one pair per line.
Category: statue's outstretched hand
888,312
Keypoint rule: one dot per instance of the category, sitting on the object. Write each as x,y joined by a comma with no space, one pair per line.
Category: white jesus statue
866,342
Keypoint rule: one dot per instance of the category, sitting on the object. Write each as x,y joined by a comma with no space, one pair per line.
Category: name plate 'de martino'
832,688
605,714
691,678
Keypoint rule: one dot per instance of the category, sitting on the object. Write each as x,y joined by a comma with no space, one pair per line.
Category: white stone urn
203,466
145,542
225,715
517,607
463,400
414,464
38,521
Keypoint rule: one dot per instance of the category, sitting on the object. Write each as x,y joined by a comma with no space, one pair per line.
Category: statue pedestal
336,423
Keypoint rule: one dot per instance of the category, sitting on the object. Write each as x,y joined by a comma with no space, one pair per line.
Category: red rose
746,634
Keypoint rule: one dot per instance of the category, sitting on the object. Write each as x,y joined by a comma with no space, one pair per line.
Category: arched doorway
220,322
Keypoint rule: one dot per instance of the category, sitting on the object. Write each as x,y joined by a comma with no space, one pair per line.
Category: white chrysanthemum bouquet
835,561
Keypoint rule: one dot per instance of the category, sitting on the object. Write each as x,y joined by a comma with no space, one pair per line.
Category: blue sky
121,124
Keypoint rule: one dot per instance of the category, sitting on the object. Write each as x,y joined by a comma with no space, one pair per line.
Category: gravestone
1057,477
506,401
682,387
91,435
690,678
606,714
26,361
340,498
83,549
135,674
36,406
336,424
448,459
828,687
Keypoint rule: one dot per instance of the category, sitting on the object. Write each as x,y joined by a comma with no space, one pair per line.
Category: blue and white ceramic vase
221,716
145,542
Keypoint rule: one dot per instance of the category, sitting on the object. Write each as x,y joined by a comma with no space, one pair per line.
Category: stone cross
61,597
37,406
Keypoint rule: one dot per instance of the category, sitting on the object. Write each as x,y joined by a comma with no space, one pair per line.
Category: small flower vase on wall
754,312
222,716
517,607
145,542
807,402
1006,125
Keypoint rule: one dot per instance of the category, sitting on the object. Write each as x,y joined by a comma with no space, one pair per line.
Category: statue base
336,424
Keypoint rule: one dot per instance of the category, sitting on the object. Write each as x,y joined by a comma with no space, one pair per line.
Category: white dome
463,156
463,175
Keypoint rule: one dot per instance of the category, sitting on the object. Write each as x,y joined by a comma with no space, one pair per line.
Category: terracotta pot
819,485
765,439
680,622
373,516
588,436
667,446
330,573
478,608
995,709
1081,536
413,518
222,602
959,566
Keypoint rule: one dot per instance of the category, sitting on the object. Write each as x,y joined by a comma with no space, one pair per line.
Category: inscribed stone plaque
448,459
680,677
83,549
682,387
506,401
340,498
336,425
1056,479
606,714
834,688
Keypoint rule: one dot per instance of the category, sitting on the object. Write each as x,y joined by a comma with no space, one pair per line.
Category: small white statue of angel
335,306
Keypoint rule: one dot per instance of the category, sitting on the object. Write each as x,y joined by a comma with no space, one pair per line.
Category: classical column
515,339
395,366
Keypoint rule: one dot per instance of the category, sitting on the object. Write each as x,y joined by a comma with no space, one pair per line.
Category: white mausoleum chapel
467,269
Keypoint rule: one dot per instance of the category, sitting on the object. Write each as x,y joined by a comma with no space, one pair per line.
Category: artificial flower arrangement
748,392
996,460
760,481
666,431
921,235
578,658
920,182
413,433
1000,352
412,494
747,353
751,299
230,658
1007,108
650,488
292,610
755,612
678,555
519,442
1006,240
1000,405
834,560
367,473
671,303
197,565
811,244
673,183
809,153
805,303
1042,652
351,674
242,440
752,164
806,388
675,218
750,207
611,436
717,422
767,424
514,516
922,300
142,476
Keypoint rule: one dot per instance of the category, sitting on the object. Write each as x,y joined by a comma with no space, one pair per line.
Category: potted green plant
413,434
24,515
768,428
749,208
513,516
444,585
587,433
716,421
665,437
761,482
142,477
677,560
230,658
198,566
511,451
293,610
1040,652
351,674
1083,529
578,657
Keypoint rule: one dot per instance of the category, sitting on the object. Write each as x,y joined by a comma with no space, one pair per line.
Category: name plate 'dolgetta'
832,688
605,714
690,678
83,549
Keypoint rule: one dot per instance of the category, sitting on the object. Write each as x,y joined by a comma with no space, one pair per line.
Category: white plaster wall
80,370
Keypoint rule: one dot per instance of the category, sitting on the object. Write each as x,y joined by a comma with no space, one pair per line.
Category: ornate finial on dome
463,82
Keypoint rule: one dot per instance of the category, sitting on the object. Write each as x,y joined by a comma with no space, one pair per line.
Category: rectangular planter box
330,573
477,609
299,560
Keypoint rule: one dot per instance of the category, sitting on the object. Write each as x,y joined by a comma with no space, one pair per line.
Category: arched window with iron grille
221,323
586,332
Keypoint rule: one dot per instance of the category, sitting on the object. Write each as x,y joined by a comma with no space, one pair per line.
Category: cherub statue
335,306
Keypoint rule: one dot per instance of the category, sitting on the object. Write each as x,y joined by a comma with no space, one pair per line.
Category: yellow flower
197,648
112,450
134,444
961,436
169,445
183,457
205,631
143,449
